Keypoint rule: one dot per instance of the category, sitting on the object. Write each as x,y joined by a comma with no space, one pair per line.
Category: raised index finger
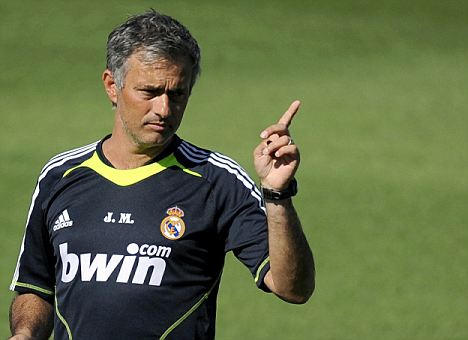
287,117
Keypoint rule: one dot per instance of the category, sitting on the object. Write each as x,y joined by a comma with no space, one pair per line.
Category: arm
291,274
31,318
292,271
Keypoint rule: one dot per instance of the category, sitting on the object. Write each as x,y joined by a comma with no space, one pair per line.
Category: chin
156,141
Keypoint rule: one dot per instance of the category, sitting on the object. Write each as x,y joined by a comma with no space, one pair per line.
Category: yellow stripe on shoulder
130,176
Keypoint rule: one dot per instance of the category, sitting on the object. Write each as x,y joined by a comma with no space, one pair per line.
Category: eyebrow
158,88
148,87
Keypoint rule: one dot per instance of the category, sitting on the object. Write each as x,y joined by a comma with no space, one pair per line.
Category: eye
177,94
148,93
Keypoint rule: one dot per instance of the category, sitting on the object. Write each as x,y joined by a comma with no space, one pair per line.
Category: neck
127,155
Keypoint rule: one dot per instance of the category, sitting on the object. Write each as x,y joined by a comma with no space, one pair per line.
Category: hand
276,158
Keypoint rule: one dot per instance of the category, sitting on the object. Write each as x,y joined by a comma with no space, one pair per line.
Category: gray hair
157,36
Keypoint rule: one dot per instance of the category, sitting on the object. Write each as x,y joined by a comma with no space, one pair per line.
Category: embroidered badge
173,227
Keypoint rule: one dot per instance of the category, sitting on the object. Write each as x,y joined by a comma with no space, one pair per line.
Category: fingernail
264,134
265,151
277,154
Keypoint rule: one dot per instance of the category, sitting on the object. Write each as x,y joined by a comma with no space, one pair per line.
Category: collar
170,148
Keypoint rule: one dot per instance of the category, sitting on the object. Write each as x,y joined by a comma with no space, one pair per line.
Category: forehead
140,68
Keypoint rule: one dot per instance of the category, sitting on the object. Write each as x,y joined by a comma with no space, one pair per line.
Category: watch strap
277,195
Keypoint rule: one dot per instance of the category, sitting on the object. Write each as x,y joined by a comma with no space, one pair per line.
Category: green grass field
383,132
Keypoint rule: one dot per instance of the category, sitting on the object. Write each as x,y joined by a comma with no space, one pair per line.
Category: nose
161,105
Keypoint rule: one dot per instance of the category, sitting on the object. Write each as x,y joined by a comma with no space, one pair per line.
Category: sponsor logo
142,260
63,221
173,227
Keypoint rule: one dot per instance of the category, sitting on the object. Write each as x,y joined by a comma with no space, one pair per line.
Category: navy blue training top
138,253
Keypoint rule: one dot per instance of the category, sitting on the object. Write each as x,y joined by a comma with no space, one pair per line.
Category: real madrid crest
173,227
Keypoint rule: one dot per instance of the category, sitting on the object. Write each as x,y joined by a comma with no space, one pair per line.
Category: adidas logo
63,221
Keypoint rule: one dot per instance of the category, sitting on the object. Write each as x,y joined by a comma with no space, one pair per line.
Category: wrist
273,195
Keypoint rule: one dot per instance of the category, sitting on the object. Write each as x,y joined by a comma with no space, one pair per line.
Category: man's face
151,104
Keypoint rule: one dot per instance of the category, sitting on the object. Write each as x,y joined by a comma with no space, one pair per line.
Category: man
126,237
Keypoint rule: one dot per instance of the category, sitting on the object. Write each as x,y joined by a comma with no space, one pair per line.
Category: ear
110,86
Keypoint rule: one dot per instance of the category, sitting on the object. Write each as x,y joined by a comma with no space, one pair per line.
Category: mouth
157,126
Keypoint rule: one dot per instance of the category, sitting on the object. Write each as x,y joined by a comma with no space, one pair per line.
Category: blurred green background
383,132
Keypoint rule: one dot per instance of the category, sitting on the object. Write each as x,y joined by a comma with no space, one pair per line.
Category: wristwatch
277,195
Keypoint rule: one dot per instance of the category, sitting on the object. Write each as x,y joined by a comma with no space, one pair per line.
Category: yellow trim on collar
130,176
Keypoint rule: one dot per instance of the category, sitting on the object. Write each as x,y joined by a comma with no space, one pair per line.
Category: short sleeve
242,215
35,267
248,239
